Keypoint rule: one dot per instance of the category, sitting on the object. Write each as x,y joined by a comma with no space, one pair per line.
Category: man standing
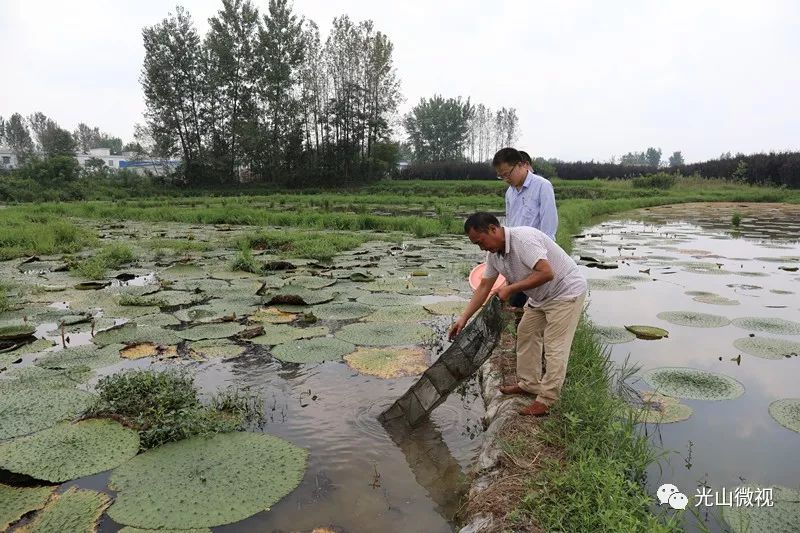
534,264
530,200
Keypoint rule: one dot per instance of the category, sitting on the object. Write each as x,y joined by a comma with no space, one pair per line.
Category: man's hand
504,292
456,328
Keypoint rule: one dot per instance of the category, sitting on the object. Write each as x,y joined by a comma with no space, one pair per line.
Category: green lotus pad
218,348
782,516
598,284
310,282
767,348
18,501
223,330
272,315
660,409
87,356
383,334
297,296
281,333
27,410
714,299
694,319
693,384
74,510
786,412
39,345
778,326
648,333
35,377
316,350
447,308
342,311
129,529
387,362
380,300
205,482
158,320
387,285
613,334
130,332
69,451
16,331
399,313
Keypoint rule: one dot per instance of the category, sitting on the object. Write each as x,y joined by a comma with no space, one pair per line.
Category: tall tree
18,137
438,128
653,156
676,159
52,139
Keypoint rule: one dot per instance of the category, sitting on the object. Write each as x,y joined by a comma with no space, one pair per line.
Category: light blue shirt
533,205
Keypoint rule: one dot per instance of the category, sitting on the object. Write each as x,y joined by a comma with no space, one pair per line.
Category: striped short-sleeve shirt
525,246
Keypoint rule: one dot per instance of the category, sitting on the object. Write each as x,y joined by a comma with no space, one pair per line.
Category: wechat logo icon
669,494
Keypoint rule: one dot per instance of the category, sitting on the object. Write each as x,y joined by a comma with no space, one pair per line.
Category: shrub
660,180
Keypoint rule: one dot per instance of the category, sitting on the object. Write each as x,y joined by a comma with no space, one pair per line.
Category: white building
8,159
104,154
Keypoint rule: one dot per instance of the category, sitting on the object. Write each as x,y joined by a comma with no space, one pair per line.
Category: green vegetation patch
15,502
786,412
205,482
694,319
388,363
69,451
342,310
223,330
381,300
648,333
778,326
447,308
767,348
74,510
693,384
384,334
659,409
316,350
610,284
783,515
281,334
613,334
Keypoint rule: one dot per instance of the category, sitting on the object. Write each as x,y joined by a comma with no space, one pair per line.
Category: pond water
680,249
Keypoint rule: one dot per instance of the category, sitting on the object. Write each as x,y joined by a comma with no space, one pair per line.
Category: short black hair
509,156
526,158
480,222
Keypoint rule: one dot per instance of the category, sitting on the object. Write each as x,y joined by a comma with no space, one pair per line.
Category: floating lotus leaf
222,330
92,285
786,412
33,377
447,308
310,282
69,451
74,510
613,335
158,320
380,300
360,277
148,349
183,271
13,332
316,350
693,384
752,274
15,502
178,298
272,315
208,285
39,345
130,333
218,349
648,333
27,410
778,326
598,284
767,348
631,278
782,516
342,310
780,291
694,319
297,296
128,529
714,299
387,362
387,285
660,409
281,333
384,334
399,313
149,300
789,268
205,482
81,356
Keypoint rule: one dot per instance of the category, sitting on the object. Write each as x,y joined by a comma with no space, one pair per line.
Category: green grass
321,246
244,262
27,232
110,257
5,304
177,245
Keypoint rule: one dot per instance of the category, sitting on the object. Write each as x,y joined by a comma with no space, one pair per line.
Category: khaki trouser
552,327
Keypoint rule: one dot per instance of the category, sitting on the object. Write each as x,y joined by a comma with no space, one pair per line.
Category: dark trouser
518,299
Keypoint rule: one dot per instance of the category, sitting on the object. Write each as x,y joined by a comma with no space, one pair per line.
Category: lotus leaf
316,350
13,332
786,412
310,282
81,356
387,362
74,510
399,313
384,334
693,384
183,271
39,345
780,291
447,308
27,410
660,409
714,299
92,285
360,277
281,334
782,516
387,285
649,333
694,319
129,529
631,278
380,300
158,320
342,311
178,298
272,315
767,348
69,451
297,296
205,482
222,330
15,502
613,335
31,377
130,333
148,349
598,284
209,285
778,326
218,349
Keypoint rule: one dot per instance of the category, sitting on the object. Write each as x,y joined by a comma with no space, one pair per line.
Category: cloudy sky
588,79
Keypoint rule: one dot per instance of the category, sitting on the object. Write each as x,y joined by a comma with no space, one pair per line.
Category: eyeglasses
507,174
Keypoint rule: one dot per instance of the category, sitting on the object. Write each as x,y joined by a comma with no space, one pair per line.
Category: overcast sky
588,79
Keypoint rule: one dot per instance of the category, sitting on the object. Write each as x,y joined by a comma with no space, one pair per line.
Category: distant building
158,167
401,165
8,159
104,154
